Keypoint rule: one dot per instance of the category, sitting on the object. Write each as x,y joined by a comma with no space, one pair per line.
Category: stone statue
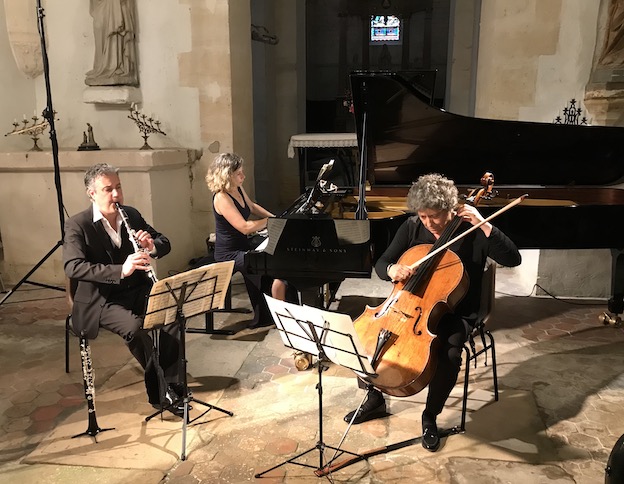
613,50
114,29
88,140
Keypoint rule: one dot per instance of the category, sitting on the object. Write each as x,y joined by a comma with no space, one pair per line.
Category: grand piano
570,172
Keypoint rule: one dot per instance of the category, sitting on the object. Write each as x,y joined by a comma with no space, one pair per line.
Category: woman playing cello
434,199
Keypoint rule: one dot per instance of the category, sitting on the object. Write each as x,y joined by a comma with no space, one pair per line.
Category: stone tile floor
559,414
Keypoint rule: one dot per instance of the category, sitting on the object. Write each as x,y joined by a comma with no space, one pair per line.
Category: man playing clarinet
111,272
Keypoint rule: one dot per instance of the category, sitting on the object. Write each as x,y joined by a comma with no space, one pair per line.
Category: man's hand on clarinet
138,260
145,240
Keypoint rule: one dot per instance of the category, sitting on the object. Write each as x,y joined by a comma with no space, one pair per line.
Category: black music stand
172,301
325,335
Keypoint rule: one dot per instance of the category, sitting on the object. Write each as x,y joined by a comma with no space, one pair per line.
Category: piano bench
209,316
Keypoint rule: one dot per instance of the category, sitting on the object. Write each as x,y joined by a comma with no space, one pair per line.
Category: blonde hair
220,170
432,191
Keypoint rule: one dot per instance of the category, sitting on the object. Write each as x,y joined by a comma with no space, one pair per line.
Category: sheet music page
352,231
297,325
343,344
275,227
205,289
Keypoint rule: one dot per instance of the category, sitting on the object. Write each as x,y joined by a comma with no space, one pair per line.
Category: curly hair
218,175
432,191
97,171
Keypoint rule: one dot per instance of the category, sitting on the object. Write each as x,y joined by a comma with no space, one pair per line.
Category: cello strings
424,270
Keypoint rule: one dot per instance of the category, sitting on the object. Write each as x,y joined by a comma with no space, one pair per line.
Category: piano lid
407,136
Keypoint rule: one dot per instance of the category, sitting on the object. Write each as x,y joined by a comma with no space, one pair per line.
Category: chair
209,317
480,332
70,290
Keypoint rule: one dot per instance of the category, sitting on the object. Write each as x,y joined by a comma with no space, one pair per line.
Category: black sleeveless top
228,238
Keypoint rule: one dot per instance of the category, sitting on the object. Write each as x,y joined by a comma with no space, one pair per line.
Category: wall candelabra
147,125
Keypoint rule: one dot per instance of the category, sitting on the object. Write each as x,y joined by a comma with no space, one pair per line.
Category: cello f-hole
417,316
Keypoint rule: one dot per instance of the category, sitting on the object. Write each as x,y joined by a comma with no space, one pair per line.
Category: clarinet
135,243
88,377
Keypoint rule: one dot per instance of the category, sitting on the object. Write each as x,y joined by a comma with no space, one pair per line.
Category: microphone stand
48,114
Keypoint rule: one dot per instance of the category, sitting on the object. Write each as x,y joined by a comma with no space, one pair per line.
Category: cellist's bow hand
471,214
400,272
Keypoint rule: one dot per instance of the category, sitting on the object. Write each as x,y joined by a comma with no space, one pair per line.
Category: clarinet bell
303,360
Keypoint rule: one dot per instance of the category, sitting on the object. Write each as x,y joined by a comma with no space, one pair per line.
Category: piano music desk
331,141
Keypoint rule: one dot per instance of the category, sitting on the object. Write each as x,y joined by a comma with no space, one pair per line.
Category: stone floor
557,419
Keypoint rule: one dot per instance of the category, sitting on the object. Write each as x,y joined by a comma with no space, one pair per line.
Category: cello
401,332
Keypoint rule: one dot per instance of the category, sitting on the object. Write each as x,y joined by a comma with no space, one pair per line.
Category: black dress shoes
373,407
178,389
430,436
176,408
172,402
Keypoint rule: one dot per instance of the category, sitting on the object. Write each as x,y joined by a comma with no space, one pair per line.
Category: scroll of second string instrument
135,243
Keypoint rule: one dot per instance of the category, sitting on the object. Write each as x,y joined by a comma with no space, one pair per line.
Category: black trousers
123,315
453,332
254,284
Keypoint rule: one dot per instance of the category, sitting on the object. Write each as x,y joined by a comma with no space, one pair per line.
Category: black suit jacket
88,259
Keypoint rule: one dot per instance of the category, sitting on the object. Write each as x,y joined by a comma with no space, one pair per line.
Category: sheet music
301,326
292,322
343,335
275,227
205,289
352,231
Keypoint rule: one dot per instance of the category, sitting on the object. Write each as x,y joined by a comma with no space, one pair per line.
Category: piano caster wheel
606,319
303,361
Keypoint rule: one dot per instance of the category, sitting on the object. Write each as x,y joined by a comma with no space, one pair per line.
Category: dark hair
97,171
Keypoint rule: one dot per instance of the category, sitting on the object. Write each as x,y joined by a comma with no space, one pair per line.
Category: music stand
172,301
327,336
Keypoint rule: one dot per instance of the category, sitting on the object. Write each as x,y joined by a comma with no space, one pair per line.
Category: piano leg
319,296
615,304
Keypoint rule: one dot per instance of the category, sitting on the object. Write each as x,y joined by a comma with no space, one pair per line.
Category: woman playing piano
434,199
232,210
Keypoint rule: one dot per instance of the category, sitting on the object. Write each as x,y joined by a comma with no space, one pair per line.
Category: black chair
482,336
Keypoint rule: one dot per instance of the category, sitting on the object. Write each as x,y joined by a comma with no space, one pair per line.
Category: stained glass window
385,29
